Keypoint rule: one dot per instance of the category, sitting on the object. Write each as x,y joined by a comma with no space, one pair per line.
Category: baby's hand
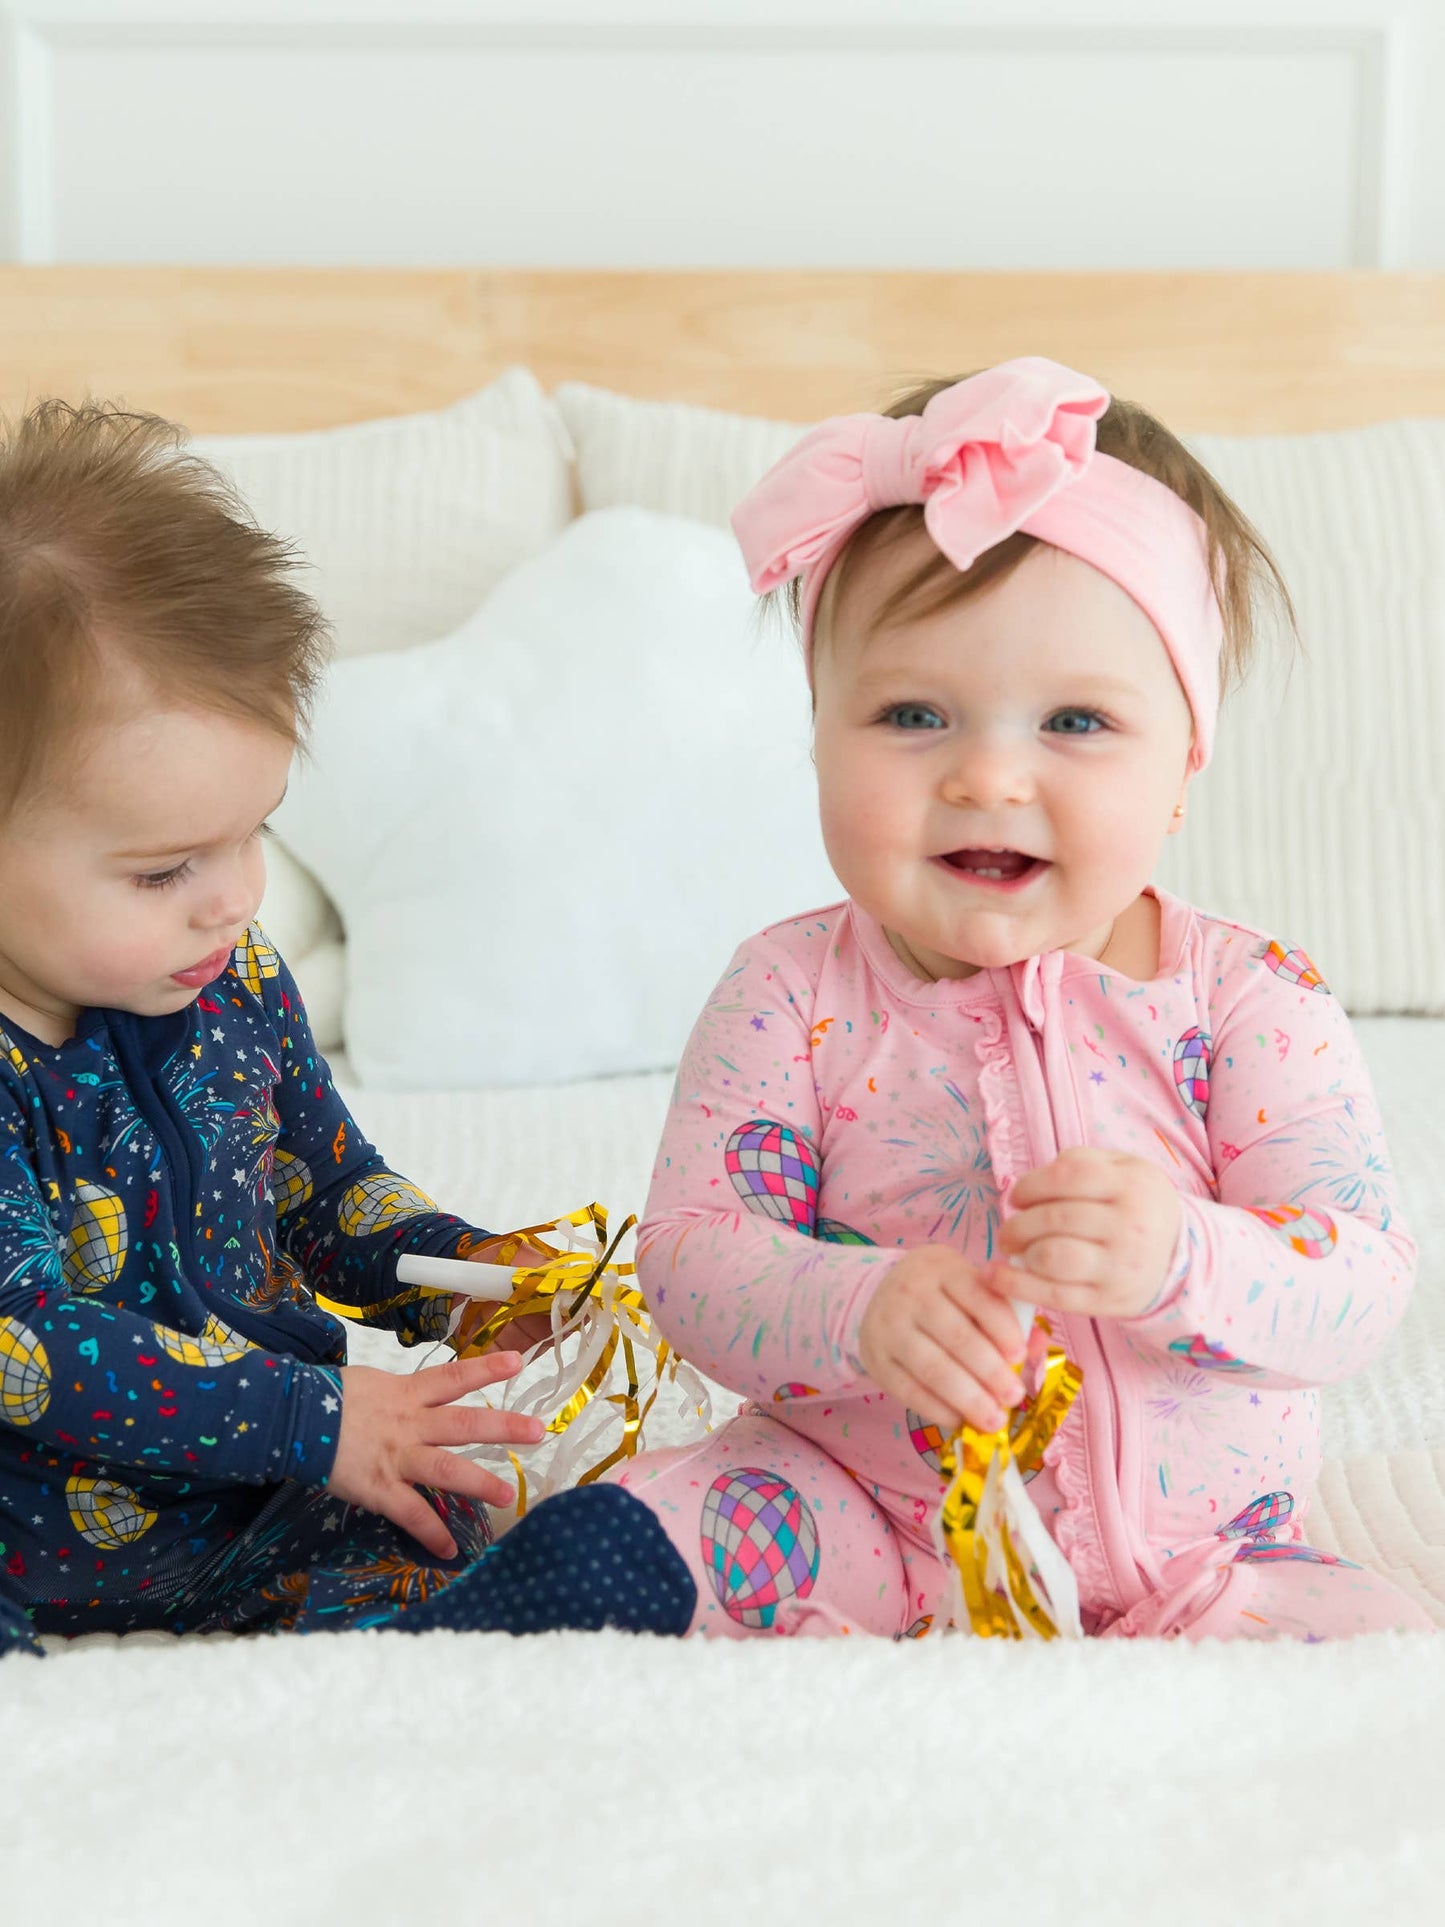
394,1431
1093,1232
936,1337
520,1334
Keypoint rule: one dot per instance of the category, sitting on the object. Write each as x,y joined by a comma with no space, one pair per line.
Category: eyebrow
1087,684
177,849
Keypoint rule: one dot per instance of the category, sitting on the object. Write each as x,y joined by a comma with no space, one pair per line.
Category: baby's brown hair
1246,576
115,539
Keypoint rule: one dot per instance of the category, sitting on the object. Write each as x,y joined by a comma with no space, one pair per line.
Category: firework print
172,1189
906,1112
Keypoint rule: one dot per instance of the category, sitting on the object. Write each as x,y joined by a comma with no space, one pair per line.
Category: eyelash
892,713
164,879
167,879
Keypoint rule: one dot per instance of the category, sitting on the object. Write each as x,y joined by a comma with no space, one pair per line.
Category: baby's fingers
450,1472
480,1425
406,1507
990,1311
944,1391
443,1384
958,1337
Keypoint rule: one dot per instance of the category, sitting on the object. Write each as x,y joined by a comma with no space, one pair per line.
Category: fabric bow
983,457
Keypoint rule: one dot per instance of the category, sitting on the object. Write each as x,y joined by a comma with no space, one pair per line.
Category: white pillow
547,833
301,921
408,521
1323,814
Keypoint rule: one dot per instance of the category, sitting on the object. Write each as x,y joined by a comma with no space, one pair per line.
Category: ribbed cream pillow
1322,817
407,522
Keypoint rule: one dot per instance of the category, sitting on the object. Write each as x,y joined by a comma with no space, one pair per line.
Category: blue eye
1076,722
913,716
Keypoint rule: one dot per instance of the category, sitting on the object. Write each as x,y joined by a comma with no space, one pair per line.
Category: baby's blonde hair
1246,575
115,539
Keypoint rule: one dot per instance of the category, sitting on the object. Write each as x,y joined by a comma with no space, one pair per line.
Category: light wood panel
255,350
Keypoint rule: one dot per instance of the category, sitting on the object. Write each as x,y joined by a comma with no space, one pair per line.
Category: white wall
976,133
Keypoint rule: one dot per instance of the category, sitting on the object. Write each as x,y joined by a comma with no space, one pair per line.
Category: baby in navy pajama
182,1443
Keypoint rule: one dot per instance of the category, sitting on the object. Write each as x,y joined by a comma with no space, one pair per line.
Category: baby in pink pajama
1008,1068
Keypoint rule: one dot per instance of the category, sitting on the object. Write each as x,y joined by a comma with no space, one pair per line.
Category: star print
757,1023
1254,1398
219,1035
329,1404
239,1176
1096,1077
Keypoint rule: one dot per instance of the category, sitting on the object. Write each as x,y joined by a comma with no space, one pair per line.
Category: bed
819,1781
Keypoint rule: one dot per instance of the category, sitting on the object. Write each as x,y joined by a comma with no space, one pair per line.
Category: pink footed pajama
832,1110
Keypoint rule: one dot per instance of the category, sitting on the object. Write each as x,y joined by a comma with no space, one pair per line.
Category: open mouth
995,869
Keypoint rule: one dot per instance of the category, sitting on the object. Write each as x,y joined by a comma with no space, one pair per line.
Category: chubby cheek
137,945
1115,833
865,824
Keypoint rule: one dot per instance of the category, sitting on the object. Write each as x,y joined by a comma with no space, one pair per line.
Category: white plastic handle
456,1275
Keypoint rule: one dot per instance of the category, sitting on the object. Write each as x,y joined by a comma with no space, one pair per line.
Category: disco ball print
1310,1233
214,1344
291,1182
1208,1356
834,1232
1264,1552
927,1440
1294,967
13,1051
107,1514
378,1202
254,961
96,1247
1259,1517
759,1545
1191,1069
24,1374
774,1173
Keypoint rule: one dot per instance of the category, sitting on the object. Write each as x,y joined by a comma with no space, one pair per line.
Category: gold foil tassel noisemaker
566,1272
1011,1580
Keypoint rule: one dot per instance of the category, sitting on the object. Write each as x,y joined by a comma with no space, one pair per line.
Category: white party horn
456,1275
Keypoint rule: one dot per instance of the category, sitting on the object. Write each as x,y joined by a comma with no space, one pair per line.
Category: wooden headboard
254,350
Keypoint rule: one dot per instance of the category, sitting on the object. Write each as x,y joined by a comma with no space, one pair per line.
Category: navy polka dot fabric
585,1559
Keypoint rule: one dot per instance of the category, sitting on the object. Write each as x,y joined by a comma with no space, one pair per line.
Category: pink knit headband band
1010,450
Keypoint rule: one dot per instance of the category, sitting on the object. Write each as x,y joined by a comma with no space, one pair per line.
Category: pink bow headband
1010,449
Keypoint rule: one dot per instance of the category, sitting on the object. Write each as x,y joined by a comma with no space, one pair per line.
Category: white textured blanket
365,1777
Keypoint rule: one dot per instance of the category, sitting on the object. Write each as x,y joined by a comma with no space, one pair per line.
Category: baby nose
230,904
987,774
